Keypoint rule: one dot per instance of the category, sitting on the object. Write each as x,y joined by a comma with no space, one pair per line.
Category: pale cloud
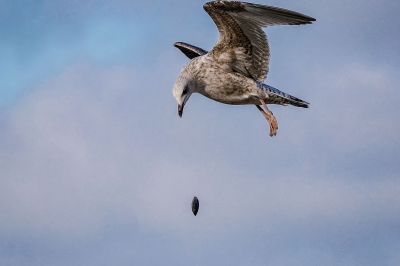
80,157
97,168
355,109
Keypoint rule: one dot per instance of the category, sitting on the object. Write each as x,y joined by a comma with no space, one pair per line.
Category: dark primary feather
243,44
189,50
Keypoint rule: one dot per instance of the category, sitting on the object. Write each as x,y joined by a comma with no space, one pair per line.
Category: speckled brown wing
242,44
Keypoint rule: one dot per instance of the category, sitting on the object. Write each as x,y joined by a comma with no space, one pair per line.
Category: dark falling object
195,205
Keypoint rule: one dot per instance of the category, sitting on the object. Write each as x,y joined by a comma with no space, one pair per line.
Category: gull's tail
276,96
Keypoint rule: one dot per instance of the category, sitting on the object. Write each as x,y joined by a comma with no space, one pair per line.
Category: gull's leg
273,123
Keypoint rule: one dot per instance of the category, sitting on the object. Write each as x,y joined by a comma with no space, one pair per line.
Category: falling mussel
195,206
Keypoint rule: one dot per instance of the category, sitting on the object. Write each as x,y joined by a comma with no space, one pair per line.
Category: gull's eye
185,91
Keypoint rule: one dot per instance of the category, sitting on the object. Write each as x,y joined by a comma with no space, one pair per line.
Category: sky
96,167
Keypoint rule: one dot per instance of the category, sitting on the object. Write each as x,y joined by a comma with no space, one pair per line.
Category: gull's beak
180,109
180,106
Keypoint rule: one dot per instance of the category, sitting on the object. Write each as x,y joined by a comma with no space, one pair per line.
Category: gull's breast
221,84
228,93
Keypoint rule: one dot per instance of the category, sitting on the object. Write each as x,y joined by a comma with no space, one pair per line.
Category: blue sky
96,168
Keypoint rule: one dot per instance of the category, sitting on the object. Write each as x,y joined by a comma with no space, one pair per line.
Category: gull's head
183,89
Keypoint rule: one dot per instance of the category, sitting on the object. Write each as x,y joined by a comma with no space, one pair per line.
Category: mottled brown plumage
241,35
233,71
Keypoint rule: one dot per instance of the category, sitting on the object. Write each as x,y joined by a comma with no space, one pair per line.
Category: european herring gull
234,70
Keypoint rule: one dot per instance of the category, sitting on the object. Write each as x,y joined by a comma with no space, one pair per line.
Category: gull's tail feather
298,102
279,97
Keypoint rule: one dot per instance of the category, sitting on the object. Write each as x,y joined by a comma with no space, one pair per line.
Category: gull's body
209,78
233,71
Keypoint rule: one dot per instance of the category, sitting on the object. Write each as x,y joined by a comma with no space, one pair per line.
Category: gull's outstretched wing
242,44
189,50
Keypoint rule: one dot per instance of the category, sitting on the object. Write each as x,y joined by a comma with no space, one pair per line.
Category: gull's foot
273,123
273,126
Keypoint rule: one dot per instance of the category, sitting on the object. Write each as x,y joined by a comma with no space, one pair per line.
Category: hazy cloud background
97,168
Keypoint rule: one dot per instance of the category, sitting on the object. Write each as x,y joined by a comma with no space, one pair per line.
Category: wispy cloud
97,169
81,153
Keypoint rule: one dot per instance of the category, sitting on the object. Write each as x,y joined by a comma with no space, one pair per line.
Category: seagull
234,70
